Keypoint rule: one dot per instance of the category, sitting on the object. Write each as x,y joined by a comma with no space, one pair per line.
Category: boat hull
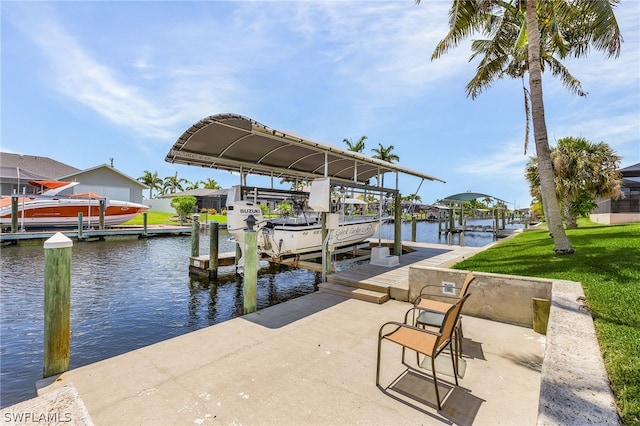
39,213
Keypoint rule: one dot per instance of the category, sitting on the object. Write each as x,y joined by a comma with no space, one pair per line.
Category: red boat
49,209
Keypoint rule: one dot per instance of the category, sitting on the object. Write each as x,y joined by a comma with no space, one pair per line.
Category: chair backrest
449,322
467,282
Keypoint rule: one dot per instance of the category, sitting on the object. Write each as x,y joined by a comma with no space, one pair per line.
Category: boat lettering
250,211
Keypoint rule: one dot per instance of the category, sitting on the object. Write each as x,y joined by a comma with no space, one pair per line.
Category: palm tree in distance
524,36
357,146
584,171
385,154
151,180
173,184
211,184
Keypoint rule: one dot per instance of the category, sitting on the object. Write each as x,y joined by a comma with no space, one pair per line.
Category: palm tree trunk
562,245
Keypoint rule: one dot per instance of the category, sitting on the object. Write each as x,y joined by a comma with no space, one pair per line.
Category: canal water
127,293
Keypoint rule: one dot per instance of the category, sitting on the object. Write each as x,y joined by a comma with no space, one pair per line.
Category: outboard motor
237,214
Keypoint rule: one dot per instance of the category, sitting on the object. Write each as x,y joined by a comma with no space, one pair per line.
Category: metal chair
432,311
427,342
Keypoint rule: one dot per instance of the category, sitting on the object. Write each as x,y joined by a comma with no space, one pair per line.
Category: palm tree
584,171
385,154
357,146
173,184
151,180
567,27
211,184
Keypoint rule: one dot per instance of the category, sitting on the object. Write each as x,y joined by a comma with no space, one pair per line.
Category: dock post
413,228
439,226
80,225
101,220
250,281
397,225
144,224
462,237
449,238
213,249
14,214
57,304
195,236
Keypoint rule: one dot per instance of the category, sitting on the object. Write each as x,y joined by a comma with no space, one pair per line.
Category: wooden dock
96,234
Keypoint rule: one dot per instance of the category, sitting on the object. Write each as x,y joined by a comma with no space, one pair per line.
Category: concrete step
354,293
347,282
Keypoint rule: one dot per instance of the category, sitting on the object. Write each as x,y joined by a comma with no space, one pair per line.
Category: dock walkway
308,361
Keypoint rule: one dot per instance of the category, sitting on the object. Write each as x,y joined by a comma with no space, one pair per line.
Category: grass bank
162,218
607,263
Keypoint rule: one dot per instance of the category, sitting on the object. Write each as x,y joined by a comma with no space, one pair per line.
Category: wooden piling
250,281
80,226
413,228
195,236
213,249
14,214
144,224
102,210
57,304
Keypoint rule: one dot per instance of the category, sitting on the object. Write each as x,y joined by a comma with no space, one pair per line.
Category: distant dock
96,234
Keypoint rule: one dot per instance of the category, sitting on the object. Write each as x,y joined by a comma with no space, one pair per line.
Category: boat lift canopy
239,144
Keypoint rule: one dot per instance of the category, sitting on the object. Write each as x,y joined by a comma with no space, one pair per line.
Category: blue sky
84,82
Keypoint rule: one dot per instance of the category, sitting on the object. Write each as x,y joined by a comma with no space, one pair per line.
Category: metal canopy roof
239,144
467,196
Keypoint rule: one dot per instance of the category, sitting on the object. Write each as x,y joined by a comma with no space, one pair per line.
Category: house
625,209
17,169
206,199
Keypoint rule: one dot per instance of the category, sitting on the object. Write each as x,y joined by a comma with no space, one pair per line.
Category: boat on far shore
50,209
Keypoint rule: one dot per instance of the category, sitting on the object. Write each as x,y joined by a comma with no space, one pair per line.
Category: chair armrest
446,296
404,325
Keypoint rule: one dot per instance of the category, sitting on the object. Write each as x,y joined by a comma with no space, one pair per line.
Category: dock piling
214,249
57,304
14,214
195,236
80,226
250,280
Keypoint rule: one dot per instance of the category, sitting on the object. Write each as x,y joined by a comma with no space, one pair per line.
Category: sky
87,83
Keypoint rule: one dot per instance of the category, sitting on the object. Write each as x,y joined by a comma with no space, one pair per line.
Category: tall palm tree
357,146
173,184
385,154
519,45
584,171
151,180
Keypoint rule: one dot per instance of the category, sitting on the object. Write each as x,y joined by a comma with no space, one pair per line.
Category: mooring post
195,236
14,214
250,281
57,304
144,224
102,209
213,249
79,225
413,228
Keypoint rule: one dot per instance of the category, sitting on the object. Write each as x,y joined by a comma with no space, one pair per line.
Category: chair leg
435,381
453,364
378,362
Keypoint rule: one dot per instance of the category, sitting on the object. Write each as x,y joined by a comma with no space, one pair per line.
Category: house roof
102,166
631,171
239,144
41,166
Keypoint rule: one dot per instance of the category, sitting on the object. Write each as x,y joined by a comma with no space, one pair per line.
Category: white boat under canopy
239,144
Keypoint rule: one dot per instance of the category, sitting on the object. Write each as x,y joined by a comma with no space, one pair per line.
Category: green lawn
607,263
162,218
